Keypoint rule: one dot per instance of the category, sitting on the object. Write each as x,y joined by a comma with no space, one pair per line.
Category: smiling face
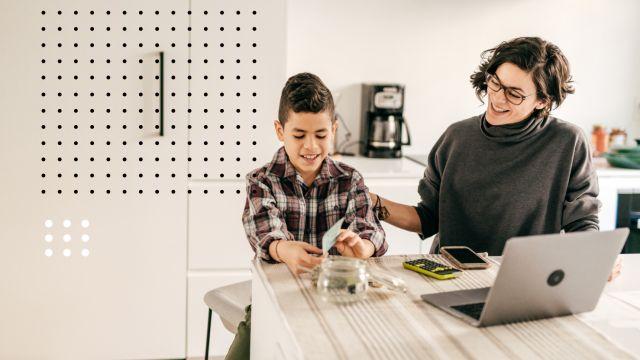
307,139
499,110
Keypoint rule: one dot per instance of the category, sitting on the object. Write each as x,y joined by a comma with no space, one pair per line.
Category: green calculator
431,269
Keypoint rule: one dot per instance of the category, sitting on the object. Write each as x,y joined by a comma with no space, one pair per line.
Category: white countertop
383,168
405,168
605,170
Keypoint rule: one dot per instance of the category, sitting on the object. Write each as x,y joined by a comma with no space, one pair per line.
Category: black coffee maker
383,124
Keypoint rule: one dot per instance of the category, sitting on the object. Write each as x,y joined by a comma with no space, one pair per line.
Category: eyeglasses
512,95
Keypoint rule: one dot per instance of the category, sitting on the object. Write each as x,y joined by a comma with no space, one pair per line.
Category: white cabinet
106,277
81,140
404,191
237,72
219,255
396,180
217,239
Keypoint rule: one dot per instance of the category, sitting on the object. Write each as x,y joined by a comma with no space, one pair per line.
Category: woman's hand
617,267
297,255
350,244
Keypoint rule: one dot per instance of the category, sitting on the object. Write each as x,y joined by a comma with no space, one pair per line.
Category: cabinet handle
161,93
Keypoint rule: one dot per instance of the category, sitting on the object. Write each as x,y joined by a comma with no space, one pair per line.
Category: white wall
434,46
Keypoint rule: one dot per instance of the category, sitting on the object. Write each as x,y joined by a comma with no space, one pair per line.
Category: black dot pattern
224,109
100,98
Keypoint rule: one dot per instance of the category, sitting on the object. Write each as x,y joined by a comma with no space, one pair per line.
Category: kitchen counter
372,168
412,166
603,169
397,179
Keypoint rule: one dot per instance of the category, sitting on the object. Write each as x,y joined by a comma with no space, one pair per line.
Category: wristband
381,211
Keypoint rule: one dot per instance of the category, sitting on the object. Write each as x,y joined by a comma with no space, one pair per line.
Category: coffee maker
383,124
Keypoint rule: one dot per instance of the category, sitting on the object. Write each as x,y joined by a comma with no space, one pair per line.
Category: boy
293,200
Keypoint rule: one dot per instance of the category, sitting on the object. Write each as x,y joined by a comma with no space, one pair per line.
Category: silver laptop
540,276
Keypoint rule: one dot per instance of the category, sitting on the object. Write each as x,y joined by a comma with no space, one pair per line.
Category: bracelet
381,211
276,249
376,206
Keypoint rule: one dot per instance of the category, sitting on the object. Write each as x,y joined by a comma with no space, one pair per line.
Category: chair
229,303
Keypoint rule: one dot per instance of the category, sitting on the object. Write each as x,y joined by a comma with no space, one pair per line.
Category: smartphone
463,257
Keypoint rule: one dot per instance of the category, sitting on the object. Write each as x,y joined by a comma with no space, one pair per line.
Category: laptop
541,276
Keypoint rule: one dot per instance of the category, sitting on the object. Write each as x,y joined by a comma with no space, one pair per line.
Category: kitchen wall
433,47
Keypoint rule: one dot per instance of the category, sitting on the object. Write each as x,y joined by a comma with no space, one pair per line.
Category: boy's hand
296,254
350,244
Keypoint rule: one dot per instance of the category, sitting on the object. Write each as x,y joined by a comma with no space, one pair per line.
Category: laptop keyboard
473,310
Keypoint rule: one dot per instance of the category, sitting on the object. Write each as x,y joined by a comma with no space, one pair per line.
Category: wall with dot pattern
134,124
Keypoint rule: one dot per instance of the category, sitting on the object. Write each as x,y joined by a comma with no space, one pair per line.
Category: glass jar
342,279
617,138
600,140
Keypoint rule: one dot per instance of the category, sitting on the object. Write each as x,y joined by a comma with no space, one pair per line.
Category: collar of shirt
282,167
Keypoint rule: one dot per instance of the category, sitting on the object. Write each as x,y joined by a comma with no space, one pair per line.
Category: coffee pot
383,123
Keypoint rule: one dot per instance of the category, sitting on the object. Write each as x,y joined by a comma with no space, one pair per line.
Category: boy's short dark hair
305,92
542,59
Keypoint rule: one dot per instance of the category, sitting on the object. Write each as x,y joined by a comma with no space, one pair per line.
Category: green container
628,150
627,161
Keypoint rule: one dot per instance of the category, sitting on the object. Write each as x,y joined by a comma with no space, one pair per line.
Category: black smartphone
463,257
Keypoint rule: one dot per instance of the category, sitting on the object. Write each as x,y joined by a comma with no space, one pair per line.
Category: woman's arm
422,219
400,215
362,219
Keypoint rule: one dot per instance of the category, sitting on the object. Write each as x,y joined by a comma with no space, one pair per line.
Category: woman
513,170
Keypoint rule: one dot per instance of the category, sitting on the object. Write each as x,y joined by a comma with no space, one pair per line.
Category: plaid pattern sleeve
263,221
361,217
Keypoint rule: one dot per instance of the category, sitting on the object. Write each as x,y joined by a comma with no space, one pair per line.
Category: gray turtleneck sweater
485,184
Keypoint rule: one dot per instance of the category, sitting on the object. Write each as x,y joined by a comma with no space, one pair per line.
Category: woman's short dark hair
305,92
545,62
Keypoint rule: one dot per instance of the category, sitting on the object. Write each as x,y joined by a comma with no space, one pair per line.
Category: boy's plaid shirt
280,206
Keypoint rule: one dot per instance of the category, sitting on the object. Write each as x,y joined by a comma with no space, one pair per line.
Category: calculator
431,269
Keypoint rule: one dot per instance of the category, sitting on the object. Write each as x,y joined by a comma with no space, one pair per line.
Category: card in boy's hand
329,238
